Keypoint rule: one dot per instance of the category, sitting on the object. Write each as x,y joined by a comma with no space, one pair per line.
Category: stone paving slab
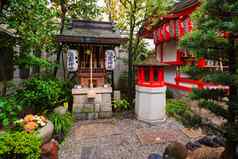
88,152
116,139
154,136
95,130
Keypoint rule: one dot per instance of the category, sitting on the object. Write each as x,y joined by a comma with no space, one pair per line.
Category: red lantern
166,32
181,28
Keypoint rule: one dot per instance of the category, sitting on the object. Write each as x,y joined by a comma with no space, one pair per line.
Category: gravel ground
115,139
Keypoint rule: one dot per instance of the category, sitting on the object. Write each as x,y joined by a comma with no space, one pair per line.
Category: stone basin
46,132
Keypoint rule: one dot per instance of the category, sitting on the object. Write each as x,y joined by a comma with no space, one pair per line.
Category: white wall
158,52
170,51
170,74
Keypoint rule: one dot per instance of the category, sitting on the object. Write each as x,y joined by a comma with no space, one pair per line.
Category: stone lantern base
150,104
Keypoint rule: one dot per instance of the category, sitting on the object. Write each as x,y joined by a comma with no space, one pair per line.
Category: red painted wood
183,88
161,74
175,32
151,74
200,84
151,83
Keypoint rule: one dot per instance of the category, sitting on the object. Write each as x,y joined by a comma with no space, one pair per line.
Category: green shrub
8,111
180,111
42,94
175,107
214,107
120,105
62,124
19,145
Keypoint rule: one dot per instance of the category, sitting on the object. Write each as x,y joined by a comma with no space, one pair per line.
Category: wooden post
91,70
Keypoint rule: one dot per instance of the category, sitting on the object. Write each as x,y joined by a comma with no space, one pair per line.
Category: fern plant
62,124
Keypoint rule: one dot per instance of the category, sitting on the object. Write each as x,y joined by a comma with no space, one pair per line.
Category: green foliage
120,105
179,110
9,110
176,107
42,94
213,19
19,145
62,123
141,51
214,94
33,23
86,10
213,107
31,60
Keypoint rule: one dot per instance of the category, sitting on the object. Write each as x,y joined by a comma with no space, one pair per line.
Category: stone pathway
119,139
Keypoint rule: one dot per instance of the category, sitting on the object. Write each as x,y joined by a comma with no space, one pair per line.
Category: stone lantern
150,91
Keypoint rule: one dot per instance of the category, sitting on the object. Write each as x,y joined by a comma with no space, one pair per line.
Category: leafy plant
62,124
179,110
175,107
8,111
19,145
42,94
120,105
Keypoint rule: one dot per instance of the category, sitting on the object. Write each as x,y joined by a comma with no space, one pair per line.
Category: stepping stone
95,130
193,133
88,153
155,136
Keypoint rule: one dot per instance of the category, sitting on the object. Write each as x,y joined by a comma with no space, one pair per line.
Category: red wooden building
166,34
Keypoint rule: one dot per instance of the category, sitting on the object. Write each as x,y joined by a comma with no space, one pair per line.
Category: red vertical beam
161,76
142,75
138,76
175,30
151,74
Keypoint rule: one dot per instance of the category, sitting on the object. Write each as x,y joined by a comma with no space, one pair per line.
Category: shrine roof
182,8
183,5
81,31
151,61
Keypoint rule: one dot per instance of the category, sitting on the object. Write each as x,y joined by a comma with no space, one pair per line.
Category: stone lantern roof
151,61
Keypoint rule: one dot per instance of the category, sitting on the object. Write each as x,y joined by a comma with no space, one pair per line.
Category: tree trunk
60,47
233,103
130,61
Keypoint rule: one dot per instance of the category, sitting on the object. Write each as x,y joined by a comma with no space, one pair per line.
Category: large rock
178,151
175,150
60,110
206,153
45,133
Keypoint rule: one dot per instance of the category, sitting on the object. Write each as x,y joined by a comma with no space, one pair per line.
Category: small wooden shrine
92,40
91,37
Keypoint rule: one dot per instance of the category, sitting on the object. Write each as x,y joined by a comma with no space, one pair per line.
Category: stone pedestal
150,104
86,108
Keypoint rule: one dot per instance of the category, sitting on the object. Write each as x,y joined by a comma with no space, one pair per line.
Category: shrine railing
88,70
